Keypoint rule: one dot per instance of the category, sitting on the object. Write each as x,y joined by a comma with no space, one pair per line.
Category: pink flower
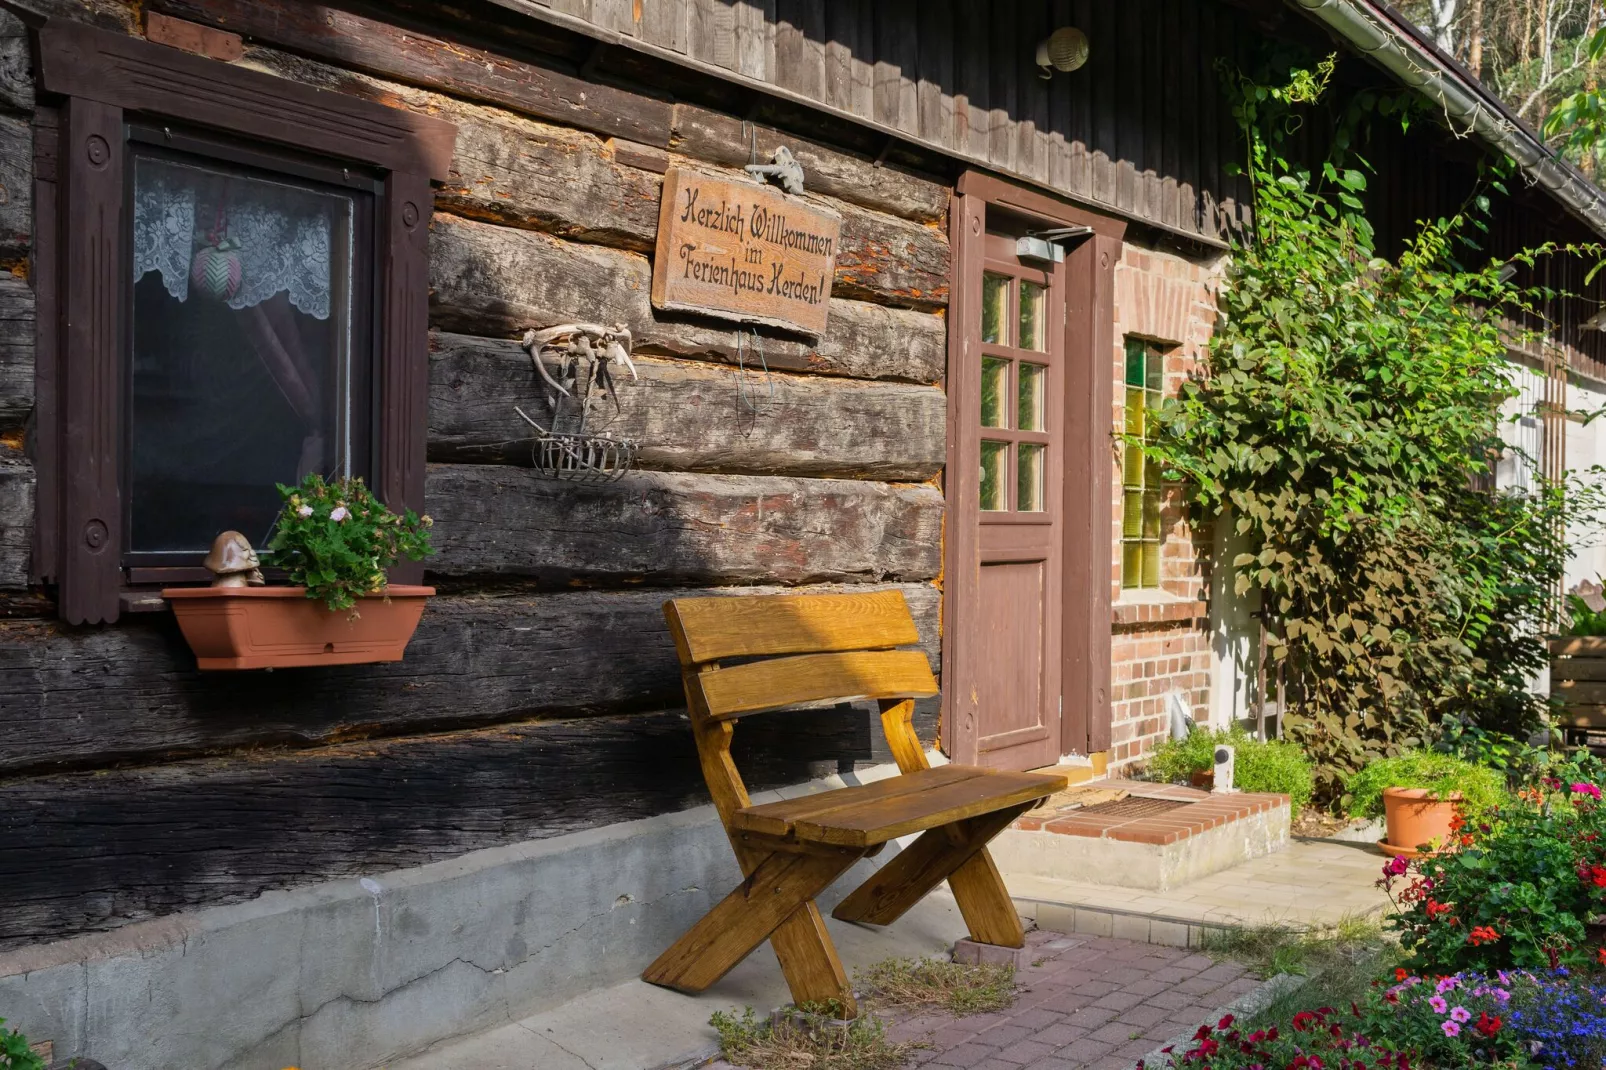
1395,866
1461,1014
1585,789
305,510
339,513
1444,986
1451,1029
1438,1004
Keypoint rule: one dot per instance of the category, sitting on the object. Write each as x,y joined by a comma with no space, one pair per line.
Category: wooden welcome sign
744,251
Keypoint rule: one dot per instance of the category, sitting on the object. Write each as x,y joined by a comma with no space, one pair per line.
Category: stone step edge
1164,930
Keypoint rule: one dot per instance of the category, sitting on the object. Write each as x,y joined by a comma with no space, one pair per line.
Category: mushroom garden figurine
233,562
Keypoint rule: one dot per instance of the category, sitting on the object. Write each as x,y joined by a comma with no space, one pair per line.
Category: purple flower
1395,866
1444,986
1438,1004
1461,1014
1451,1029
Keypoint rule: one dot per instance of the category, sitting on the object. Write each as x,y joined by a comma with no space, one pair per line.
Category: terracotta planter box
280,627
1414,817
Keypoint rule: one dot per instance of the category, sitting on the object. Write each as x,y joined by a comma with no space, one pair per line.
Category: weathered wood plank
800,47
16,78
722,139
16,188
693,417
669,527
16,518
479,73
77,698
16,353
212,831
489,280
509,169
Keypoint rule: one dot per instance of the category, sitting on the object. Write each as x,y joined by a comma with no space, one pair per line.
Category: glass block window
1140,476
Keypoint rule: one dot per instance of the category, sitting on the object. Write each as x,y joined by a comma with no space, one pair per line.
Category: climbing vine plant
1347,417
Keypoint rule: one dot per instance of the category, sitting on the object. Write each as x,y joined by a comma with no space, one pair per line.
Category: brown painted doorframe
1089,360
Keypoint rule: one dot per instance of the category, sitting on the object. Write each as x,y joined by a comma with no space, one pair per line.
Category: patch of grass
955,987
1341,961
807,1041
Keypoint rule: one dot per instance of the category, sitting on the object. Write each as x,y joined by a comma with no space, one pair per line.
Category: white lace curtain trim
279,249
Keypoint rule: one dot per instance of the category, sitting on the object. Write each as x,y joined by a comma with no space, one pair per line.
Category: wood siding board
495,280
841,35
226,830
935,92
476,660
672,527
755,38
1003,62
92,347
897,66
1032,124
45,272
800,47
973,124
422,59
711,32
663,22
1105,101
690,416
1209,91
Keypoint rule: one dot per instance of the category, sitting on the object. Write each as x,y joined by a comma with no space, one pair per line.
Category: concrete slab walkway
1312,883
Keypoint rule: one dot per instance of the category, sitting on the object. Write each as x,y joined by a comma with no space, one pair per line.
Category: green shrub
336,539
1481,788
1273,766
15,1053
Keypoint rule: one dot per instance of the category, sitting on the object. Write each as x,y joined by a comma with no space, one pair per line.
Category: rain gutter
1382,37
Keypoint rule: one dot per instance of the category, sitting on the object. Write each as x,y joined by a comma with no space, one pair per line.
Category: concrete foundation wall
354,973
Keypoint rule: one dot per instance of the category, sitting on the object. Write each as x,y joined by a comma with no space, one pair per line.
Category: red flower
1226,1022
1482,934
1597,876
1486,1025
1435,908
1204,1031
1302,1021
1401,973
1600,956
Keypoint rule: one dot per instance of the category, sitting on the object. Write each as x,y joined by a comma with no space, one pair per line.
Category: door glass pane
1033,378
1032,328
994,305
242,334
1029,478
993,457
994,391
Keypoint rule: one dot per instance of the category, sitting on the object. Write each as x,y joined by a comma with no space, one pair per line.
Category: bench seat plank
912,802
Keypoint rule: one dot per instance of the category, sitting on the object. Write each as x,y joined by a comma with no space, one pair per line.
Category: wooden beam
220,830
16,353
502,522
511,77
16,184
689,416
16,520
74,698
491,280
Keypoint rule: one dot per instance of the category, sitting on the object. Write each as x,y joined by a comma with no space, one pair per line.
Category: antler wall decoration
585,352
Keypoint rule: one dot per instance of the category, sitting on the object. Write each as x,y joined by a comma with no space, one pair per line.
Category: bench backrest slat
711,629
781,682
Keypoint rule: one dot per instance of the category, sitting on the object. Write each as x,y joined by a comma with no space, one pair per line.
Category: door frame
1089,360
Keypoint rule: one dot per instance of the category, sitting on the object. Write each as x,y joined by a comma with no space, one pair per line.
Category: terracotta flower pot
1203,779
1414,817
280,627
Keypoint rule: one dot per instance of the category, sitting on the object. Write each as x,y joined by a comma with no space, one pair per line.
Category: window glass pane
1153,368
1029,478
1132,514
1151,564
1033,379
994,391
1132,564
1153,402
1134,410
994,302
1134,362
993,457
1032,328
241,349
1132,468
1151,514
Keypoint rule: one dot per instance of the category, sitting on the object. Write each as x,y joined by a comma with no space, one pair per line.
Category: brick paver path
1086,1003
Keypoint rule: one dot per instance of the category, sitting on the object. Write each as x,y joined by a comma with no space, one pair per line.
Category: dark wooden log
672,527
16,518
16,186
691,416
16,353
496,73
81,698
513,170
16,78
490,280
83,853
718,138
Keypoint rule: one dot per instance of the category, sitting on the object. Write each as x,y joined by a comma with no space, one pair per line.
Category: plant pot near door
336,541
280,627
1416,816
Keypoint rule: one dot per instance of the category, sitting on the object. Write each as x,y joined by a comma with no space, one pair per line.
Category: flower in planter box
336,539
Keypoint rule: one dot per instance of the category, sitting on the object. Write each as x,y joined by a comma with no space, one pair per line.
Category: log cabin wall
540,695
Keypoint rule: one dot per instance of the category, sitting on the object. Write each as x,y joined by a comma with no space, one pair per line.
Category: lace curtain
282,234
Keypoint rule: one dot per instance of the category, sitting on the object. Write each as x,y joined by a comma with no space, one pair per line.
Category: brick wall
1161,638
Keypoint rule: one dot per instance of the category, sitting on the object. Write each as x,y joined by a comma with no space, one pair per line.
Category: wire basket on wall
585,353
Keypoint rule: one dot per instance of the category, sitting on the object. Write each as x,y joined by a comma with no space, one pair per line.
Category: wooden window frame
1089,392
93,83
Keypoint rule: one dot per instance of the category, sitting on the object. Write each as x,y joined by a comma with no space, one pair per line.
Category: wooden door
1014,400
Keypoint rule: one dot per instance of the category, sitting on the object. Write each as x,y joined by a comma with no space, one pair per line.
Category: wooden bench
823,649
